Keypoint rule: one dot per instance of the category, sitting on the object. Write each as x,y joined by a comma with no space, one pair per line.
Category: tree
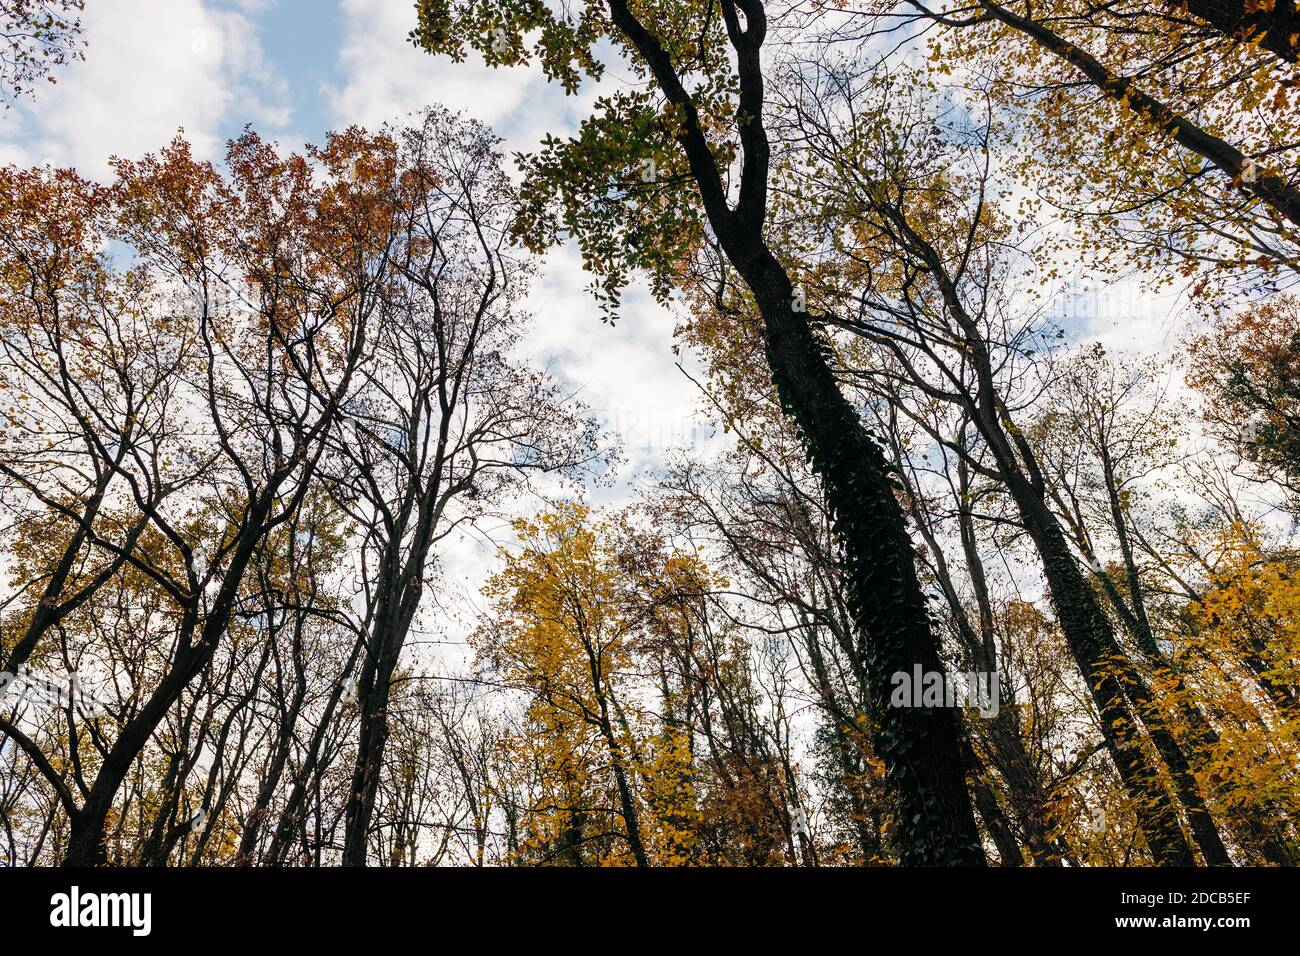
564,633
442,425
266,382
691,113
1248,367
36,37
1274,26
1234,651
923,274
1173,140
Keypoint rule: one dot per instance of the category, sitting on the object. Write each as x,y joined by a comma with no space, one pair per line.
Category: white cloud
627,372
151,67
386,77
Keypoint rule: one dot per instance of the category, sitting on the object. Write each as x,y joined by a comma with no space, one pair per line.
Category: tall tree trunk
626,800
86,846
920,746
1107,670
1133,615
1092,644
291,813
373,692
1025,790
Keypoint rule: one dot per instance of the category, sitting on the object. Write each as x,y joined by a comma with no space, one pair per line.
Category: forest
984,551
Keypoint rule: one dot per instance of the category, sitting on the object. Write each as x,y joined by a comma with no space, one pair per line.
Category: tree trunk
373,693
1092,644
986,802
920,746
